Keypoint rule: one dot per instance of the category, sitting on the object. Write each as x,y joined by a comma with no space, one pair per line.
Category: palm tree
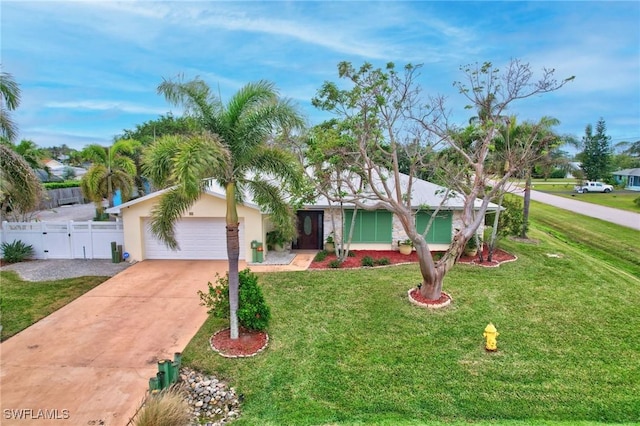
232,150
20,188
112,169
9,100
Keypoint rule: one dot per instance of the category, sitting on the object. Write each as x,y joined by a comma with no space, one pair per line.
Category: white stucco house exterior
201,232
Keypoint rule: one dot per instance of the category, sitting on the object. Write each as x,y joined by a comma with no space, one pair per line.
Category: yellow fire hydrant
491,334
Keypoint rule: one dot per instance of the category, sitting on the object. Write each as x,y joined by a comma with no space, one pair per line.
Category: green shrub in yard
59,185
382,261
16,251
253,312
637,201
335,263
321,255
367,261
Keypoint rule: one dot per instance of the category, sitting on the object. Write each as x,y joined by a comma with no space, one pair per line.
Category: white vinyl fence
66,240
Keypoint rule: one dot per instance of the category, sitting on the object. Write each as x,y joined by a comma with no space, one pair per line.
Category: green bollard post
165,366
160,376
153,384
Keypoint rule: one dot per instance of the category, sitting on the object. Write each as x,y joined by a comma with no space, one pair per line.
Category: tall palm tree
20,188
9,100
232,150
112,169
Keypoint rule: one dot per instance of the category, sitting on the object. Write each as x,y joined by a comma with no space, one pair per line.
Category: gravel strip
58,269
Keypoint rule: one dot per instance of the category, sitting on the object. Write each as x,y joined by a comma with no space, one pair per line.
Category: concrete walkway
609,214
89,362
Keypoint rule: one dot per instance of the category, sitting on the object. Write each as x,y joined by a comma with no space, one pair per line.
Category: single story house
201,232
629,177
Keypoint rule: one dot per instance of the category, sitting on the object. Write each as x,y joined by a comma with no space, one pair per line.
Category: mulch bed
395,258
249,343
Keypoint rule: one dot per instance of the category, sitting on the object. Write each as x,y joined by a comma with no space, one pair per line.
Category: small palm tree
112,169
232,150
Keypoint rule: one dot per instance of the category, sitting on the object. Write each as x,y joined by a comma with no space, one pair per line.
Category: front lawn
23,303
348,348
618,199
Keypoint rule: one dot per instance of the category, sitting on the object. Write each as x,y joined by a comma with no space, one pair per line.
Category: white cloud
105,106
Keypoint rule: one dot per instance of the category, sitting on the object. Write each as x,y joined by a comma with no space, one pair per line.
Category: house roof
627,172
213,189
423,193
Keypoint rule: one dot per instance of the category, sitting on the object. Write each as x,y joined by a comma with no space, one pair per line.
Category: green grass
348,348
616,199
616,247
23,303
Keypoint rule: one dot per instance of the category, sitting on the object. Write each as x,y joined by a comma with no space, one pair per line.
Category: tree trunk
525,209
432,275
494,231
233,253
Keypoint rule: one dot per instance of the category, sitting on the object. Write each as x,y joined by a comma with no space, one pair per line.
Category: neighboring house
630,178
573,167
56,168
201,232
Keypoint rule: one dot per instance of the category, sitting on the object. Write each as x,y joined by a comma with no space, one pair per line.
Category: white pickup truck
593,187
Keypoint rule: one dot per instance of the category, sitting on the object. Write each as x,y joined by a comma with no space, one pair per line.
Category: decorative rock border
429,305
266,343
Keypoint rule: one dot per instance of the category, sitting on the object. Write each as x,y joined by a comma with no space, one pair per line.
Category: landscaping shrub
383,261
167,408
335,263
60,185
320,256
511,220
253,312
351,253
637,201
16,251
367,261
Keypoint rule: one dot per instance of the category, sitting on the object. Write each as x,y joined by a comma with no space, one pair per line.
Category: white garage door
198,238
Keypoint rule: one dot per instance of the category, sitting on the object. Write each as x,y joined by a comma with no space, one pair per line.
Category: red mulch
499,257
395,257
249,343
415,294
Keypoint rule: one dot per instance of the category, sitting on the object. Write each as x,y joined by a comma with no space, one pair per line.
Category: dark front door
309,230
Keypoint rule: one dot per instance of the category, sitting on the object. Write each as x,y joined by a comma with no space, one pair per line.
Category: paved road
609,214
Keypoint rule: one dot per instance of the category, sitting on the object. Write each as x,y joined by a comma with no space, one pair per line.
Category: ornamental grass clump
167,408
16,251
253,311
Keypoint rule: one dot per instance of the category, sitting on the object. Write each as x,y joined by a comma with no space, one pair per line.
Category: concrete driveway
89,362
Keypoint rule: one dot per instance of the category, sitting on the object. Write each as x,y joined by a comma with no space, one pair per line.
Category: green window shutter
440,231
370,226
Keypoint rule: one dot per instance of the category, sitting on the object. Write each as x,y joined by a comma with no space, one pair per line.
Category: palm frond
173,204
20,188
249,97
275,163
194,96
95,153
9,91
157,160
271,198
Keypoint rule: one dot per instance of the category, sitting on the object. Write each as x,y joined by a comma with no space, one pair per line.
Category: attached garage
201,232
198,238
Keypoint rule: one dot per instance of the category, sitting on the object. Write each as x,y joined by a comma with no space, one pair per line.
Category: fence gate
66,240
56,240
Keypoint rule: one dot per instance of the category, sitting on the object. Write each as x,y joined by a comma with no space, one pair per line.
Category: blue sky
89,69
